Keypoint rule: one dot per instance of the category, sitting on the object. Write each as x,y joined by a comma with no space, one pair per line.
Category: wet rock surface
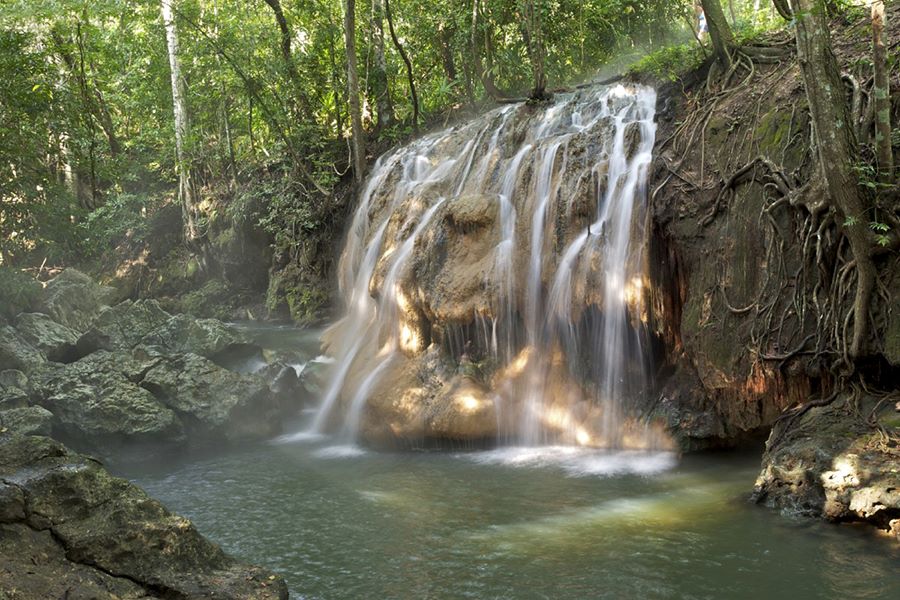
68,529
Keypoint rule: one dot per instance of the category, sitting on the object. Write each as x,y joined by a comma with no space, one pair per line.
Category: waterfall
493,280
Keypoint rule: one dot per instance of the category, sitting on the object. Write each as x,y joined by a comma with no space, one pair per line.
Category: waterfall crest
493,281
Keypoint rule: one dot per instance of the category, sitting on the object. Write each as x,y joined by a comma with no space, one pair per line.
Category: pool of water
343,522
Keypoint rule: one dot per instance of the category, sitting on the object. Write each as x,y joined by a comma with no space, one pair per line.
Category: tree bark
287,53
719,32
409,69
485,75
380,83
358,144
535,43
836,150
882,97
186,190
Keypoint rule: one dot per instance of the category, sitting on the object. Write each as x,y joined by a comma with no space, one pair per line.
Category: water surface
342,522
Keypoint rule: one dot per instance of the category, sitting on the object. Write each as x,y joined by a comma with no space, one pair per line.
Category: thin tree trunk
882,94
335,80
182,125
719,32
287,53
485,75
358,144
535,43
836,149
445,39
409,69
380,83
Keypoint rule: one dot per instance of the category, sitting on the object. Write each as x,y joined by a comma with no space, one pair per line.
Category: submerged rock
70,529
829,462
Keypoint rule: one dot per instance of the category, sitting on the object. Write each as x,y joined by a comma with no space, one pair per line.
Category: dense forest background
246,113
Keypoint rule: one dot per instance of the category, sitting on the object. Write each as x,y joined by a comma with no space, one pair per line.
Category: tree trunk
836,150
380,83
409,70
445,39
719,32
287,53
882,95
485,75
535,43
186,190
358,144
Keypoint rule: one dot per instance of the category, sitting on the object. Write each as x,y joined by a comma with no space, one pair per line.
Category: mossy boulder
16,353
97,402
54,340
19,292
212,401
74,299
830,462
27,420
70,529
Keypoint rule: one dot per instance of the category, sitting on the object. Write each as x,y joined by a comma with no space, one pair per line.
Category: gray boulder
212,339
214,401
144,323
27,420
16,353
14,389
73,299
122,326
97,401
70,529
55,341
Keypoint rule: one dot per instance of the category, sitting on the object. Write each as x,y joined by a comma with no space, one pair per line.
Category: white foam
577,461
339,452
323,359
299,436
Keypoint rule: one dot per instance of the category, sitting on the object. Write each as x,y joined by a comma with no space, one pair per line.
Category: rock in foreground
68,529
840,461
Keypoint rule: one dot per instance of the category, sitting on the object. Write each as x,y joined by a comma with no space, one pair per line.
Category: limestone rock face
70,529
73,299
825,463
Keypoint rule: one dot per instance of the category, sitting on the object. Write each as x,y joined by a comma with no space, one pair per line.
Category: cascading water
493,280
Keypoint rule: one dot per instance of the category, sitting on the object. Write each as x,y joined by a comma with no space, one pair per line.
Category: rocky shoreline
105,379
68,529
100,377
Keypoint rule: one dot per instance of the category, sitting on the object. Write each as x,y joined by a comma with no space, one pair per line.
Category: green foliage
122,216
670,63
19,292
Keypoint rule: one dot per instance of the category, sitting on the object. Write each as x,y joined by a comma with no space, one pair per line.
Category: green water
341,522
